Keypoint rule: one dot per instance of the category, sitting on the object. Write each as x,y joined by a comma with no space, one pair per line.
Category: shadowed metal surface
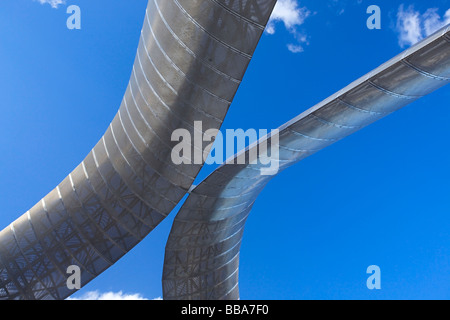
191,58
202,253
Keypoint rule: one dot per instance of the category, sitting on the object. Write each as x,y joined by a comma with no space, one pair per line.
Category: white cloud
288,12
294,48
414,26
292,16
433,21
53,3
96,295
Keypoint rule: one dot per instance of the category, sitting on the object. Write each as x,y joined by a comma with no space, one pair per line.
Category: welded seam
172,63
340,126
296,133
423,72
151,129
190,52
351,106
391,93
248,56
134,171
234,13
184,76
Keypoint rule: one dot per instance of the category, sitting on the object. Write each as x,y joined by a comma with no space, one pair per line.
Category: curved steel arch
191,58
202,252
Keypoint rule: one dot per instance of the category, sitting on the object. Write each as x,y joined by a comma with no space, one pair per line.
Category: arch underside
191,59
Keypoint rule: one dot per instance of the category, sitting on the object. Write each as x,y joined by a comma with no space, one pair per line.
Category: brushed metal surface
191,58
202,252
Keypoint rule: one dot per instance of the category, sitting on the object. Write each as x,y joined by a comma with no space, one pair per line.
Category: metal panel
202,253
191,59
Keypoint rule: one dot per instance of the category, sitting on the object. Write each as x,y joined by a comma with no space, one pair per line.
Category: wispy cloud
294,48
96,295
292,16
53,3
414,26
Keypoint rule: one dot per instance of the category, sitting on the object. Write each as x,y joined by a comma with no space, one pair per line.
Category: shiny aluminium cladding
191,59
202,253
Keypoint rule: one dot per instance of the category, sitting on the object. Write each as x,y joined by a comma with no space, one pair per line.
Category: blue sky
379,197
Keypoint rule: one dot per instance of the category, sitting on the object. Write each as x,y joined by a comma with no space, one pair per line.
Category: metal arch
202,253
191,58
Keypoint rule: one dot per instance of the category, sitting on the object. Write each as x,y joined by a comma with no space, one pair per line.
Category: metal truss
191,59
202,252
